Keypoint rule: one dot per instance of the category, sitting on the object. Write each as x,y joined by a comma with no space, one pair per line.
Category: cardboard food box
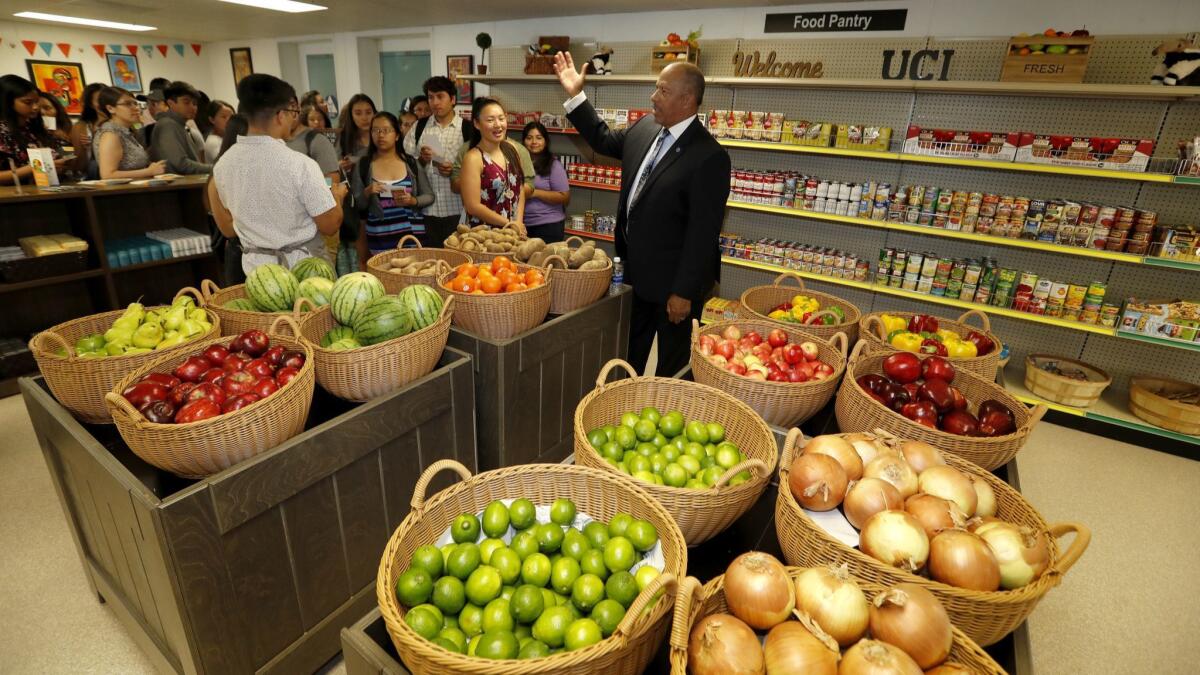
1174,320
1123,154
999,146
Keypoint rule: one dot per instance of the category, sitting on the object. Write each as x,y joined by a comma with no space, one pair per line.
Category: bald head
677,94
689,76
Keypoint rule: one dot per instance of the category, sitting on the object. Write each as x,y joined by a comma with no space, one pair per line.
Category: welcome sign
837,22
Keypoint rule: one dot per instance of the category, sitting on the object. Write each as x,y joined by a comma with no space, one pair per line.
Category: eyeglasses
383,131
293,111
128,104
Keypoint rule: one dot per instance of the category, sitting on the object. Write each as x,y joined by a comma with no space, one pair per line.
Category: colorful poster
61,80
124,71
461,65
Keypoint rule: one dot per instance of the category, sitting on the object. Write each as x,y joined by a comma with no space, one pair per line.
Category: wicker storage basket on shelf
380,265
574,289
502,315
782,404
758,301
1065,390
857,411
80,384
701,514
364,373
871,331
1150,399
600,495
237,321
200,449
694,601
984,616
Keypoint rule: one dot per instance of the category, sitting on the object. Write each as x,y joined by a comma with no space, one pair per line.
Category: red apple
793,353
235,362
937,367
260,368
213,374
745,343
912,388
162,378
255,342
960,401
777,376
718,360
960,422
285,375
144,393
756,375
238,402
777,338
762,350
921,412
903,367
824,368
797,375
736,368
216,353
872,382
238,382
754,337
179,393
707,345
725,348
265,387
192,369
209,391
937,392
731,332
197,410
274,355
810,350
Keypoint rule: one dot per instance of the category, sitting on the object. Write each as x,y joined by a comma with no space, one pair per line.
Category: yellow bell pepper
892,323
805,303
948,335
778,315
906,341
961,349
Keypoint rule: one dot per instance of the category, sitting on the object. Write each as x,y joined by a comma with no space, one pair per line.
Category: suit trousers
649,319
437,230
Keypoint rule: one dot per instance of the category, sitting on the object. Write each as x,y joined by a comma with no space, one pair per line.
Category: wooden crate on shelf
1040,66
543,64
662,56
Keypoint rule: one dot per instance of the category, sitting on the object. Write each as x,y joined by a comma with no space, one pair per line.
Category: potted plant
484,42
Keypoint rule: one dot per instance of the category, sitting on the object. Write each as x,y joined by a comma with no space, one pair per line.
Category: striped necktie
653,155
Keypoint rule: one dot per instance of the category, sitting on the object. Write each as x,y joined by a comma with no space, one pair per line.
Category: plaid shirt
445,203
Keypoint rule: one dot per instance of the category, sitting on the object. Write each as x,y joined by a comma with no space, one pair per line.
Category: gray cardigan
370,203
172,142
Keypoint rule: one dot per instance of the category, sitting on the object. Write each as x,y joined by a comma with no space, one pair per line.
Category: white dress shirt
445,202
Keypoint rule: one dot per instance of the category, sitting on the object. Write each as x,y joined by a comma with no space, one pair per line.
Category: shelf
589,235
594,186
1178,344
160,263
1170,262
565,132
50,281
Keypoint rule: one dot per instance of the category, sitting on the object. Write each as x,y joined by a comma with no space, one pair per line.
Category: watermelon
424,302
313,267
243,304
351,293
317,289
384,318
344,344
337,333
272,288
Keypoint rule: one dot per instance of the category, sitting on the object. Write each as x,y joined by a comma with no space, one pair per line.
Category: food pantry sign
836,22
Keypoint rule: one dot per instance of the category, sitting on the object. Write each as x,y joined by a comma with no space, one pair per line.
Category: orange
535,283
515,287
534,277
500,262
468,270
506,276
477,291
490,284
463,284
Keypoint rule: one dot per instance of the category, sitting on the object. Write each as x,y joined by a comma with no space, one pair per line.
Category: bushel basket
574,289
236,321
80,384
782,404
1061,389
985,616
758,301
380,265
600,495
501,315
700,513
200,449
366,372
857,411
871,331
694,601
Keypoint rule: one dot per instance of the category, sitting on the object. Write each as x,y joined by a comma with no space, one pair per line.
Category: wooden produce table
257,568
528,387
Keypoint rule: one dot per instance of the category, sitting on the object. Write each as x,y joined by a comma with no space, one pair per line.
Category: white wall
264,54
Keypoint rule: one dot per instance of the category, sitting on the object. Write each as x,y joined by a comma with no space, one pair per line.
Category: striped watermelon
314,267
424,302
272,288
317,289
351,294
337,333
384,318
344,344
243,304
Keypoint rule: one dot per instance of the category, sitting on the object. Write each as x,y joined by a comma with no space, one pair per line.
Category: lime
695,484
496,616
651,413
495,519
522,632
625,437
446,553
670,453
563,575
679,443
690,464
642,535
707,461
697,432
560,599
671,424
508,564
597,437
506,592
739,478
551,626
536,570
534,649
575,544
657,479
639,464
646,449
645,430
619,554
659,441
608,614
587,590
414,587
473,644
609,431
549,598
582,633
428,558
596,533
727,455
645,575
449,595
675,475
470,620
622,587
527,603
612,451
618,524
695,450
658,463
463,560
525,543
455,636
549,537
630,420
716,432
521,514
424,622
487,547
710,449
562,511
497,644
465,529
432,609
483,585
449,644
646,476
592,562
711,474
450,622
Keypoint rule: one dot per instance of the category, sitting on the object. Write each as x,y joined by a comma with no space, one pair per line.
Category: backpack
467,131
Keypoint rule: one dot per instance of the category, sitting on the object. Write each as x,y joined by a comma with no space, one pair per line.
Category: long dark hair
13,87
210,111
237,125
544,160
91,114
62,119
347,132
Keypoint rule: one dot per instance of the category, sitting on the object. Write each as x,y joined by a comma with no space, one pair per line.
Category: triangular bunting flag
99,50
65,48
162,49
46,47
30,45
196,48
116,49
148,49
178,49
132,49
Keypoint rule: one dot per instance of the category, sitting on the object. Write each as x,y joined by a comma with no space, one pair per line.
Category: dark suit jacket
670,239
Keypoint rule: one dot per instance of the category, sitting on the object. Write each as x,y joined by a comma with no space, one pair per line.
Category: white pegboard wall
871,108
1020,184
1123,359
517,97
977,59
1097,117
848,59
1125,59
1174,204
829,168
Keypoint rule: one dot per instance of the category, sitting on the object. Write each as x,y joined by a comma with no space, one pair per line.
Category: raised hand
570,78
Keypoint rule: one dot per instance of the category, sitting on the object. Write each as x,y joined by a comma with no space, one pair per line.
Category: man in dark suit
672,204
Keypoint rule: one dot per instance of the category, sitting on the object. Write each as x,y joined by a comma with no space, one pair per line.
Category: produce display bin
367,649
527,387
257,568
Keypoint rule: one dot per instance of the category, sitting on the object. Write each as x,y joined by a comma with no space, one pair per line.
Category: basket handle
209,288
286,320
119,405
789,275
687,592
418,498
440,267
51,336
759,467
1083,537
603,376
839,338
873,319
192,291
636,613
794,438
400,244
854,355
1035,416
578,239
812,318
695,338
446,306
300,302
983,319
550,258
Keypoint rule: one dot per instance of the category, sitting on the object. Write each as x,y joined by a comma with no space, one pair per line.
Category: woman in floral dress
491,171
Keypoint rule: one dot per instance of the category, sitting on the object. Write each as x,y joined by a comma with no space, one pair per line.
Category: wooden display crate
1042,67
527,387
367,648
258,568
660,60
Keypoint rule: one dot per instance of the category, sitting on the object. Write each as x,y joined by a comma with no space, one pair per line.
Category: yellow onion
910,617
963,559
1021,553
790,649
985,497
895,538
934,513
872,657
817,481
973,524
949,483
723,645
950,669
868,446
894,470
839,449
758,590
867,497
921,455
834,601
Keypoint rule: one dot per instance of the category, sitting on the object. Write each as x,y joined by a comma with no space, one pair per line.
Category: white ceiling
213,21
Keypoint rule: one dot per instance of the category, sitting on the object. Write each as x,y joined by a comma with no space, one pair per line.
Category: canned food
1075,295
1042,289
968,292
1108,315
929,265
897,281
1089,316
924,285
916,262
954,287
938,288
1097,288
1054,309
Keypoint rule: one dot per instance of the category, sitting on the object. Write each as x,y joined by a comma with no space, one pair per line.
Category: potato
581,255
453,241
470,245
462,229
600,255
536,259
594,265
396,270
493,247
480,228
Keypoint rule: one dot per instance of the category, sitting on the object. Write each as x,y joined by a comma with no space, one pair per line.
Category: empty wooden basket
1060,388
1163,402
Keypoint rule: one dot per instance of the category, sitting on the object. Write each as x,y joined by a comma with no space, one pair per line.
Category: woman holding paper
492,180
21,129
392,190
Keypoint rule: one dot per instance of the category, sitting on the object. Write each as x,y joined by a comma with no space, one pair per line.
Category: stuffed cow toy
1180,65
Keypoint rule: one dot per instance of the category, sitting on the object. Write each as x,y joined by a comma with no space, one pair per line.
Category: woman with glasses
392,189
21,128
118,152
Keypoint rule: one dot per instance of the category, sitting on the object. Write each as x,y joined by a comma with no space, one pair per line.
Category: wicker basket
701,514
782,404
574,289
694,601
984,616
364,373
599,494
1065,390
502,315
380,264
757,302
857,411
1146,402
872,332
236,321
80,384
200,449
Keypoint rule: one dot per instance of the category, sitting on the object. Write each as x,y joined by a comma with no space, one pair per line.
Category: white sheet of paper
434,144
